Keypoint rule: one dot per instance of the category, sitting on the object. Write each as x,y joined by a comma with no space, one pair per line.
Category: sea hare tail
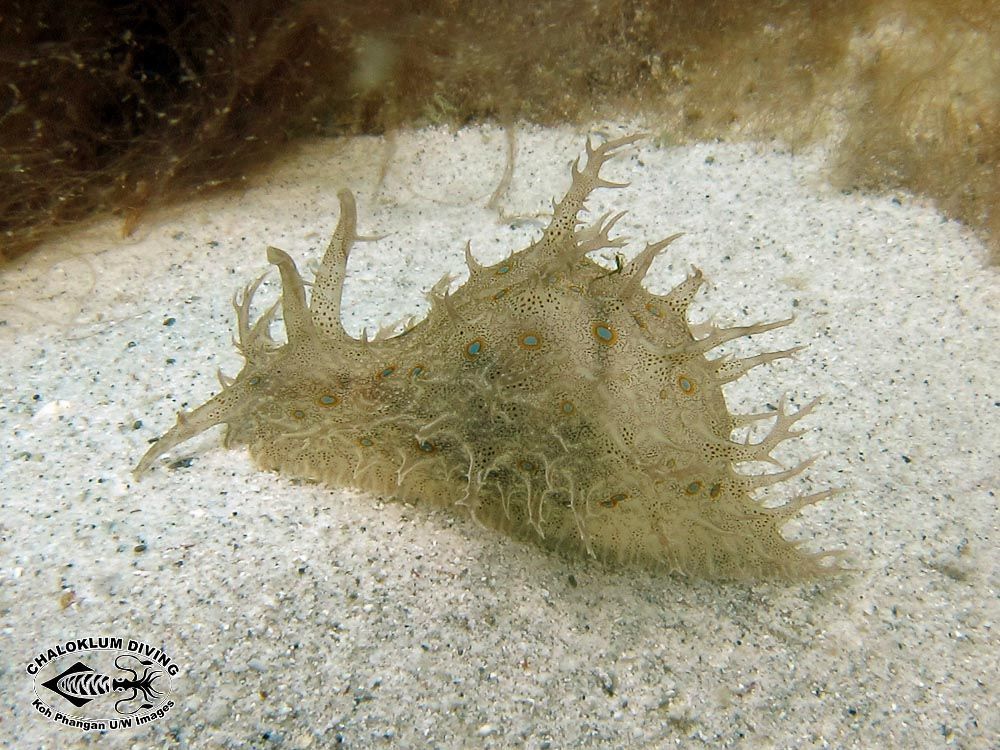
188,425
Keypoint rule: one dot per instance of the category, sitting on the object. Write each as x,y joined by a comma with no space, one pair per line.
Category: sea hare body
548,396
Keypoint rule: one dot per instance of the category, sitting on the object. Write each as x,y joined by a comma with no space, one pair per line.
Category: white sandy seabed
305,617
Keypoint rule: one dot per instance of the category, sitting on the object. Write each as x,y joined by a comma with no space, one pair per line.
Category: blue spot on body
604,333
473,349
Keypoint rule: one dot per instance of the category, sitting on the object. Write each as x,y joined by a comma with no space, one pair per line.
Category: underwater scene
506,420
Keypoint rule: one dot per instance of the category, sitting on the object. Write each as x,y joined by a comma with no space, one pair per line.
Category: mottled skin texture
548,396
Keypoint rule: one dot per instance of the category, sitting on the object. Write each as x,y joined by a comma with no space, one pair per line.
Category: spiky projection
548,397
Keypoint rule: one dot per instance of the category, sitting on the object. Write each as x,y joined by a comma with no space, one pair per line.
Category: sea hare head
549,397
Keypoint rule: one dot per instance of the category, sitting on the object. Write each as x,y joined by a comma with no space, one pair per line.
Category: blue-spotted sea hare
548,397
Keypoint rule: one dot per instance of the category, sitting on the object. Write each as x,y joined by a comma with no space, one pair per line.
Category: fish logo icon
79,684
